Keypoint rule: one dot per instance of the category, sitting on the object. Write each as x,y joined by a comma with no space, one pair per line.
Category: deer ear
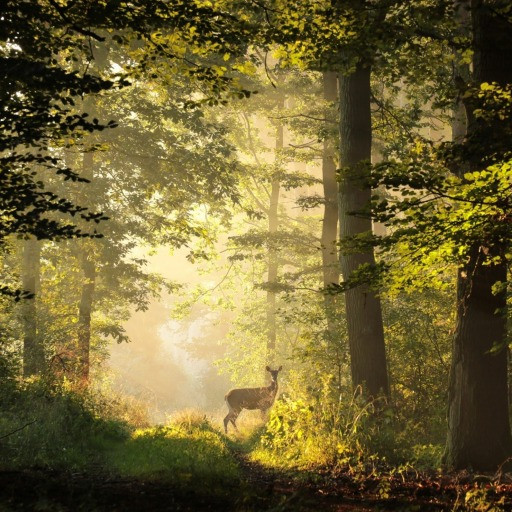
267,368
280,368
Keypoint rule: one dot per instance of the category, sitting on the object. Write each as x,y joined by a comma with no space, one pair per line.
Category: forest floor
264,489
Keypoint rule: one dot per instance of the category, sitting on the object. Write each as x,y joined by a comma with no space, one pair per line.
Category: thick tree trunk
478,413
478,422
364,314
273,223
33,350
330,263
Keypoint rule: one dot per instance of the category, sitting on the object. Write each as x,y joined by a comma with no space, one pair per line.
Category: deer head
273,373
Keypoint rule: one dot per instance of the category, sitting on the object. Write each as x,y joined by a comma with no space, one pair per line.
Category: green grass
185,452
65,430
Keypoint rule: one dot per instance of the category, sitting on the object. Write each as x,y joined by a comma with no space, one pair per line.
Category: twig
201,295
74,26
267,72
323,120
18,429
304,145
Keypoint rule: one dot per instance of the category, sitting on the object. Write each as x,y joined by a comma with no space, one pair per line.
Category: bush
55,427
345,434
300,433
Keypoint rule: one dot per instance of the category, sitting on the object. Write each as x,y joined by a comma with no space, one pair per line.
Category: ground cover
60,451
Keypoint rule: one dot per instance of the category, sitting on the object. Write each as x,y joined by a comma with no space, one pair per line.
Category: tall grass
346,434
51,426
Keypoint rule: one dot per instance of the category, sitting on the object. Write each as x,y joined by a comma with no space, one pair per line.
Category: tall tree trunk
273,223
330,262
330,218
478,421
363,308
33,350
87,292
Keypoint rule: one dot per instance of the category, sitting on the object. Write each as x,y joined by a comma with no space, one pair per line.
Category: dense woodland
339,175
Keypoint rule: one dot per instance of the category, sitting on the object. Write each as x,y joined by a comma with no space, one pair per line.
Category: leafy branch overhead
47,52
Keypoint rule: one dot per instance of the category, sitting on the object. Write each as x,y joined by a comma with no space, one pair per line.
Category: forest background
337,176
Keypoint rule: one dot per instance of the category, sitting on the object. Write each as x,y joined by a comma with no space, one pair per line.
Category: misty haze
255,255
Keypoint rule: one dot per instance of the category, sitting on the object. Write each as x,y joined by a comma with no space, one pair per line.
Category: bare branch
18,429
74,26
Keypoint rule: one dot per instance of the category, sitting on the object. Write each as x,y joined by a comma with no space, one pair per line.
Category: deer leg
226,421
231,417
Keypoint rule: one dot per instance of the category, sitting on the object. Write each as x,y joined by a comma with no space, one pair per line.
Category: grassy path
260,489
189,465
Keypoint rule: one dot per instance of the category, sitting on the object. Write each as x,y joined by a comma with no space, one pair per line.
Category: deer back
252,398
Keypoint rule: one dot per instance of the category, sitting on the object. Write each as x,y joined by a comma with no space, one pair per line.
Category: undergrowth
53,426
57,427
186,450
340,436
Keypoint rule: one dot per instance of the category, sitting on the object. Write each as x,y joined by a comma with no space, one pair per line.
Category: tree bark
273,224
363,308
33,350
330,186
85,313
478,423
87,292
330,262
478,413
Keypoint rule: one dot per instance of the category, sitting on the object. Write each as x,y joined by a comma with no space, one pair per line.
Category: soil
266,490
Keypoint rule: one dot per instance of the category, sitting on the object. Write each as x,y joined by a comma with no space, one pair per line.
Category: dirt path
283,492
264,490
53,491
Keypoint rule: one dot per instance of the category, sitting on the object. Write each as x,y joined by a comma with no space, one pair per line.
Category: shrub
305,432
55,427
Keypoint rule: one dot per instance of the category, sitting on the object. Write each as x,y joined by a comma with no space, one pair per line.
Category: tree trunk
273,222
33,350
478,422
330,262
363,308
87,292
330,218
85,312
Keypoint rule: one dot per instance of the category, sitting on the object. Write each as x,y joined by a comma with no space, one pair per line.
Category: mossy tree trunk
330,263
85,309
330,260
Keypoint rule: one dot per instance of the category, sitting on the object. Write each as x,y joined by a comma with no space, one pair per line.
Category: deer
251,398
